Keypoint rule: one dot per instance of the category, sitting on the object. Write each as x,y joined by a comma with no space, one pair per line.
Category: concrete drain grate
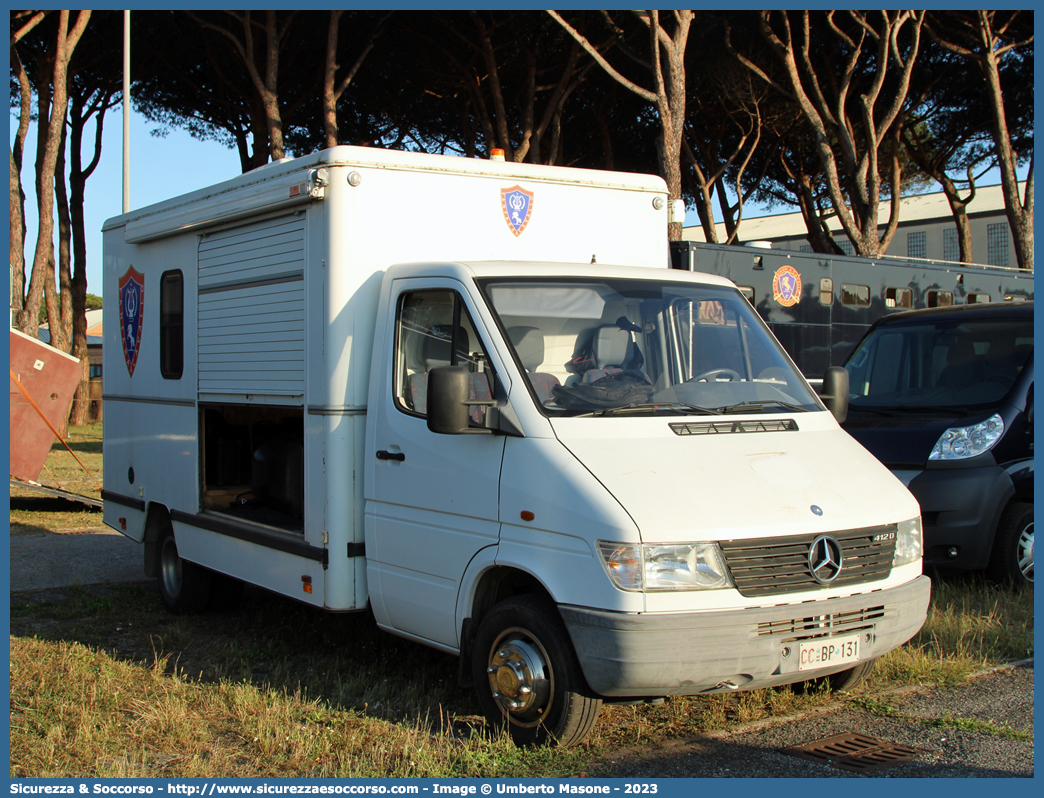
856,753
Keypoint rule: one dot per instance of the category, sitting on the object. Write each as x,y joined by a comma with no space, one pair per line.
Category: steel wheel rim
520,677
170,567
1024,552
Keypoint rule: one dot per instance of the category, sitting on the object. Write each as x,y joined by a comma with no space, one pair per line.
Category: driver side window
433,329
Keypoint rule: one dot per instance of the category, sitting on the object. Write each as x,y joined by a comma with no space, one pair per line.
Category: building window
96,371
805,248
917,245
172,325
898,298
951,246
939,299
857,296
846,245
997,244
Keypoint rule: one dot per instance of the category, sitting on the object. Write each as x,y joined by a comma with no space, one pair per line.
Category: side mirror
835,392
449,401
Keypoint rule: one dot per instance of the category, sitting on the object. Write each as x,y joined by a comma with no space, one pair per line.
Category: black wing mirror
835,392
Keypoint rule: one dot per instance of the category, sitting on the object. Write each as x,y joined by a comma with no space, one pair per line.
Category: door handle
383,455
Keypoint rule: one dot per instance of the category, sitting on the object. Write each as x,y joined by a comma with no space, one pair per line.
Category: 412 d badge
132,300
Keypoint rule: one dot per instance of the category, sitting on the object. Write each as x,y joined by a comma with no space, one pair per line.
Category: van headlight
959,443
665,566
907,542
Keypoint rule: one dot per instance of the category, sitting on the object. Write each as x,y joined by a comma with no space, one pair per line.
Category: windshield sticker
786,286
517,204
132,293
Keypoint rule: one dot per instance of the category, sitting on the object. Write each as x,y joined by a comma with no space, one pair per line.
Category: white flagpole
126,111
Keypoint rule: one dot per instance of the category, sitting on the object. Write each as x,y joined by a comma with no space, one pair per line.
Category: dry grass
104,683
34,513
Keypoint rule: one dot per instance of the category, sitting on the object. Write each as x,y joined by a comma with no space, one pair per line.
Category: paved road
928,720
958,732
63,559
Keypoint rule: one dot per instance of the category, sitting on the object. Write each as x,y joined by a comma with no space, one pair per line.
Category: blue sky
160,168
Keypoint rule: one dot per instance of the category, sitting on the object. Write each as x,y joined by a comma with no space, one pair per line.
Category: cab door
434,499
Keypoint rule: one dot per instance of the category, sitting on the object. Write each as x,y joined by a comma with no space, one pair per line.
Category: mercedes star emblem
824,559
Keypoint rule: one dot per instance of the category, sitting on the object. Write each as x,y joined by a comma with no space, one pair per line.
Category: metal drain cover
856,752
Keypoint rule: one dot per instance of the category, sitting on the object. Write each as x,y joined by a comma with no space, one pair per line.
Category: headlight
665,566
907,543
959,443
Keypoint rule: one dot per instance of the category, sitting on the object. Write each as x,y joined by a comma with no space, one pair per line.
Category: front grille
773,566
837,623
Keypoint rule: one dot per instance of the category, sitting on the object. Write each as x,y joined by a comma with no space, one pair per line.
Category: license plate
827,651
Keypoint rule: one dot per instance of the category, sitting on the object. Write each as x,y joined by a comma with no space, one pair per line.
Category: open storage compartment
252,460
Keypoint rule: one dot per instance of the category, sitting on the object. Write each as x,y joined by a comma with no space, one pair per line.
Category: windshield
598,346
942,363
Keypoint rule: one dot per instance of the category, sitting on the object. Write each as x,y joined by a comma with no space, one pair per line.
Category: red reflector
123,524
527,516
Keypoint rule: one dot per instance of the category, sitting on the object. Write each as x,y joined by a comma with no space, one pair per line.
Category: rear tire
1012,559
184,586
527,676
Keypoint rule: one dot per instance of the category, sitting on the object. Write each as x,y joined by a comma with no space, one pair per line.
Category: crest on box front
517,204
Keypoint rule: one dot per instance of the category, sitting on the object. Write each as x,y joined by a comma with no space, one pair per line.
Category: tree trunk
668,95
51,120
1019,211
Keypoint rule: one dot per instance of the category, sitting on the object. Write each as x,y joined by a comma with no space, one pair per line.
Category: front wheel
1012,557
842,681
184,586
527,676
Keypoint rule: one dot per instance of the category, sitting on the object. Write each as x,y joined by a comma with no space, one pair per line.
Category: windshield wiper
680,408
741,406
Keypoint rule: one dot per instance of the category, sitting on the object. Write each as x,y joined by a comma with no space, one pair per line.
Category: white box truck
471,397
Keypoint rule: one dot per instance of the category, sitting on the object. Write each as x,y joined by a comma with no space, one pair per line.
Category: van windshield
942,363
645,347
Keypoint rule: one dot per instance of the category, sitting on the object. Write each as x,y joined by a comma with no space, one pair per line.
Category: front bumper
960,509
650,655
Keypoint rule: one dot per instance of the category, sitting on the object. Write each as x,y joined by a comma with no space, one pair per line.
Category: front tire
851,678
184,586
527,676
1012,557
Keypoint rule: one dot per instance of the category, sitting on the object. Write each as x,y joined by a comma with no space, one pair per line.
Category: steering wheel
733,376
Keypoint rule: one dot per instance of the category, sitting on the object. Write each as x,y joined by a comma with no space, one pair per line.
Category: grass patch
34,513
971,625
105,683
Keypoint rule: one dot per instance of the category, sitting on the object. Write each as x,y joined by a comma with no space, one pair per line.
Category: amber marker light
526,515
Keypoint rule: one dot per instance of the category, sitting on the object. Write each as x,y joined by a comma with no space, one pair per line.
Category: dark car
944,398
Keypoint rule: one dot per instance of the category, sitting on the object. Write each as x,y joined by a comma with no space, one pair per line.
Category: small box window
898,298
857,296
975,299
172,325
826,291
939,299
